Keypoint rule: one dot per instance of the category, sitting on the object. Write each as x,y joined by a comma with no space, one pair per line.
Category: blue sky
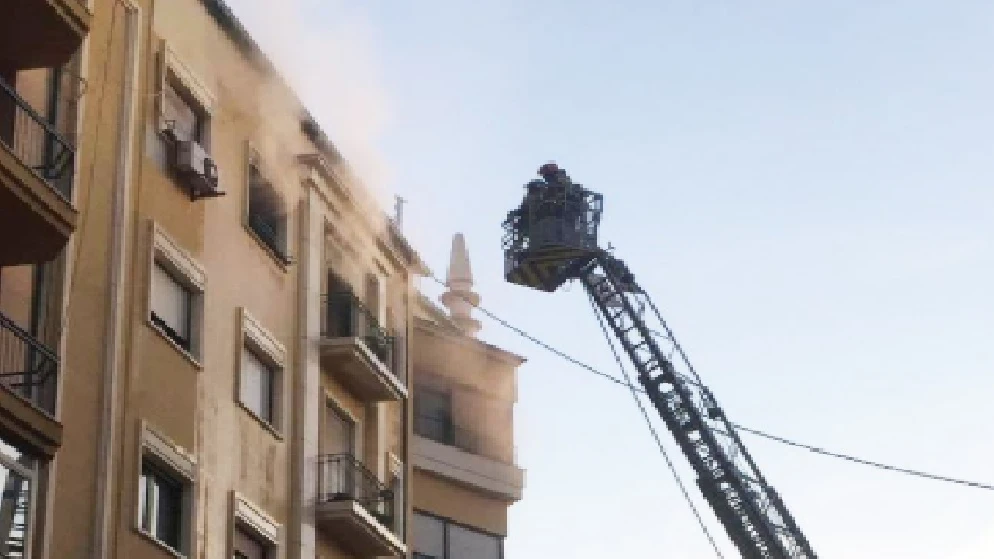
805,190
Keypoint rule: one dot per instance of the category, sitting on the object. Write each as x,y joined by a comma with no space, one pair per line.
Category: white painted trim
262,339
255,519
117,263
189,79
169,251
171,454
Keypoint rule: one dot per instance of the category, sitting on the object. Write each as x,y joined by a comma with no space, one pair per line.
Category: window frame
152,472
174,73
446,523
280,254
250,519
172,462
188,273
266,348
188,303
174,85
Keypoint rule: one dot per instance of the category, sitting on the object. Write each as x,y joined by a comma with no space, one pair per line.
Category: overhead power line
756,432
652,429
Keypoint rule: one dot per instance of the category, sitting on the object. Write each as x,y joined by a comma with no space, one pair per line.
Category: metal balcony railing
35,141
27,367
268,235
444,431
341,477
346,316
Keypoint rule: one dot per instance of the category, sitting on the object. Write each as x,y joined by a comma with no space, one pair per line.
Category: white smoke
332,65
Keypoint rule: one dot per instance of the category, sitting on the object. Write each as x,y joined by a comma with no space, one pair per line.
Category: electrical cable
652,429
755,432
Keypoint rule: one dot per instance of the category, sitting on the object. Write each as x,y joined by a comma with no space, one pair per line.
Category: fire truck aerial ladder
551,239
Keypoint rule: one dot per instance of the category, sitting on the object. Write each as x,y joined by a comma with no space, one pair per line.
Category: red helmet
548,169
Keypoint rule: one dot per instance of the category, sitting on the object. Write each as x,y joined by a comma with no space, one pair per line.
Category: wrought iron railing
27,367
341,477
345,316
445,431
35,141
268,235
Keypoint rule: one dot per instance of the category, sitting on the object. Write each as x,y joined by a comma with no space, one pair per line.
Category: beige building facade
465,471
204,318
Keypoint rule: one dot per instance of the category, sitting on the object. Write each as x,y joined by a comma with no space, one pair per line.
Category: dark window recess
433,420
267,215
161,505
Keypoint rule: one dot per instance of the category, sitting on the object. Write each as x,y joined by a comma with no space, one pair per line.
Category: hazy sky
806,189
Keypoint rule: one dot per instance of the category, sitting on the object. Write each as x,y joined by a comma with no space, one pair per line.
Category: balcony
28,383
41,33
355,508
459,455
36,166
358,351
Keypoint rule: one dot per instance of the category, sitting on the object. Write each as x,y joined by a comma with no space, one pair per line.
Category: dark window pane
428,536
465,543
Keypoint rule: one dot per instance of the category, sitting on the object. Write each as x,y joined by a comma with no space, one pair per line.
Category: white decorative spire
460,298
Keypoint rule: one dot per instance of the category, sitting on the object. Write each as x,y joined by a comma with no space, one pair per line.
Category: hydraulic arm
551,239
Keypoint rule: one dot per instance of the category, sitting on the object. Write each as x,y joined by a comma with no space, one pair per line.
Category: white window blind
171,302
180,114
257,386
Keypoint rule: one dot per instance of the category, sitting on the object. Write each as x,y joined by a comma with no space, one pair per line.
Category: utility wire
756,432
652,429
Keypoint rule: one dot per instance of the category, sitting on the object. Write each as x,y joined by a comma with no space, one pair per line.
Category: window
160,505
165,486
339,432
17,473
172,306
438,538
258,386
255,534
433,414
259,373
180,113
175,294
249,546
266,212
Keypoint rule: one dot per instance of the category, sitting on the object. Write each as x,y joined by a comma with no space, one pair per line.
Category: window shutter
170,301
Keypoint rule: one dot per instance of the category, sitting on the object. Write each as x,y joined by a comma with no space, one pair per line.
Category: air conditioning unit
196,169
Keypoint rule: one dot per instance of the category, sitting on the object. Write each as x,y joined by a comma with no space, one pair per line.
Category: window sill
159,543
268,426
283,262
186,354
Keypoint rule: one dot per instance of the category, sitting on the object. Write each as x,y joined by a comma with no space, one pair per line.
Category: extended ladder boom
749,509
550,239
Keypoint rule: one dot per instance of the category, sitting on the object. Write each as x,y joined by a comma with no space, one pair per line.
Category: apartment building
203,315
465,472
